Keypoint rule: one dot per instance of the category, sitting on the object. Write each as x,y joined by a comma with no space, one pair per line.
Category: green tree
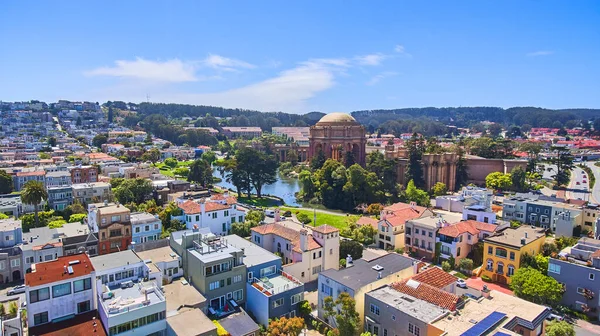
181,171
318,160
3,216
77,218
374,209
462,175
200,172
152,155
259,167
352,248
133,190
44,156
414,170
171,162
446,266
255,216
34,193
498,181
99,140
413,194
563,160
465,264
111,114
13,308
518,178
2,309
235,176
303,218
439,189
51,141
531,285
349,159
495,130
533,150
308,185
6,182
542,263
343,312
209,156
292,157
385,169
559,328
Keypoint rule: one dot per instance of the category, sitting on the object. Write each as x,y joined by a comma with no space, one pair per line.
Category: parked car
584,181
461,283
554,316
270,213
578,183
17,290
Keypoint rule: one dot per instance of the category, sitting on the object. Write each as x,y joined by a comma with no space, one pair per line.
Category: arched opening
16,275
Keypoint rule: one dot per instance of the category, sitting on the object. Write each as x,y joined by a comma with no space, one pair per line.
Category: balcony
129,296
277,284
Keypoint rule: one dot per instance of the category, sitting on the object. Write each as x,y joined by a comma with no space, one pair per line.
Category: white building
216,213
60,289
115,268
165,260
305,255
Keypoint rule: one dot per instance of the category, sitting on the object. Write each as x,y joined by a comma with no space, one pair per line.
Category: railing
266,287
120,305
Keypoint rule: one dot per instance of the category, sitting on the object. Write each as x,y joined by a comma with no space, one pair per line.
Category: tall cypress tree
414,171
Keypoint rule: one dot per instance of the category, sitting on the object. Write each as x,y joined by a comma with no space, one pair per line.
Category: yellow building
502,252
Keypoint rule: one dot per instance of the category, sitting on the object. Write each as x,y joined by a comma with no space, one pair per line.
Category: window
15,263
511,270
374,309
267,271
82,307
48,257
408,230
37,295
40,318
423,232
554,268
490,265
257,239
81,285
147,228
238,295
214,215
416,231
326,289
457,251
512,255
137,229
237,278
155,226
277,303
375,330
460,238
61,290
580,290
591,276
224,227
500,269
115,218
115,233
316,269
490,250
500,252
214,285
240,219
330,251
430,234
416,242
226,213
115,245
296,298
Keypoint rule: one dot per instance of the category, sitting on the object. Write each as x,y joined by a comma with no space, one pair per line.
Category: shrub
399,250
446,266
460,275
343,263
77,218
303,218
287,213
465,264
486,278
57,223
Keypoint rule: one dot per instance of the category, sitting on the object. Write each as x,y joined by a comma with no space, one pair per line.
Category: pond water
284,187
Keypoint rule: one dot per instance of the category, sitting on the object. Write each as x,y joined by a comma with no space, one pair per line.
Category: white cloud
377,78
399,49
372,59
540,53
288,91
227,64
173,70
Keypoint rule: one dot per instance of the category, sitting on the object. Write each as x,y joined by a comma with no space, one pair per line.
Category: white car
461,283
16,290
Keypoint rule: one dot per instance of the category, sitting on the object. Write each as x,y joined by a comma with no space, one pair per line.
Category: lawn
339,221
167,171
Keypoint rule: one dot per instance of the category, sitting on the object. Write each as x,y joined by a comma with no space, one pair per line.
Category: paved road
581,190
595,195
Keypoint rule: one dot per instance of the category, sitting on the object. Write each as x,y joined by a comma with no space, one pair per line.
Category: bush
342,263
77,218
465,264
57,223
303,218
486,278
460,275
399,250
446,266
287,213
3,216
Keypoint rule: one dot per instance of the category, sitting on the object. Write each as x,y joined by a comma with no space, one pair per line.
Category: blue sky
301,56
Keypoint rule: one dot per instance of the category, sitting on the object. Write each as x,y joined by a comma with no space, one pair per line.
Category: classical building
335,134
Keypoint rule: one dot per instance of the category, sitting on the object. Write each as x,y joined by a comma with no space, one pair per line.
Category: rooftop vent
413,283
73,262
378,268
70,269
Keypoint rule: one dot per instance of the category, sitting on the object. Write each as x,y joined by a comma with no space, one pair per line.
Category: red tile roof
436,277
471,226
325,229
401,213
288,234
190,207
82,324
33,173
427,293
53,271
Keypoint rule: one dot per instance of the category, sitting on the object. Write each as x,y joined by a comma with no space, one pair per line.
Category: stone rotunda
335,134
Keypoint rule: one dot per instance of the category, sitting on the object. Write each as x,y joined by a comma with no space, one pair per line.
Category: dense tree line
162,127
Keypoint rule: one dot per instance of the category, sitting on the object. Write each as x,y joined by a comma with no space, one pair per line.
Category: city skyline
305,57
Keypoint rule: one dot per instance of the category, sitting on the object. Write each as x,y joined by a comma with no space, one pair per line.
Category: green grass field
339,221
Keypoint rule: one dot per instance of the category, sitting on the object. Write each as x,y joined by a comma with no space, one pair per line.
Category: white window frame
591,276
277,303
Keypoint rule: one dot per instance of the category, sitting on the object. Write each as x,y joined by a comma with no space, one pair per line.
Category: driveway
583,328
477,283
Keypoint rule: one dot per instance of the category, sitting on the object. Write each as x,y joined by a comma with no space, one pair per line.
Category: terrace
130,296
276,284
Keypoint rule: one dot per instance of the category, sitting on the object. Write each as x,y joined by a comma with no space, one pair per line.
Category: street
595,195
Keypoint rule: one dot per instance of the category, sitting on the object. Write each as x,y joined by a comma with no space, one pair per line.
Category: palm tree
34,193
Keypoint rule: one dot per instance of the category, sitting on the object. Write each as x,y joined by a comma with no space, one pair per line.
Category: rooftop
436,277
161,254
213,248
40,237
512,237
191,207
83,324
362,273
337,118
276,284
9,224
63,268
74,229
112,209
477,310
114,260
253,254
239,324
471,226
180,293
142,218
410,305
325,229
91,185
428,293
287,233
435,221
180,322
124,300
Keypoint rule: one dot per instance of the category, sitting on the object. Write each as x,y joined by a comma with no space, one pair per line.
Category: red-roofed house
60,288
458,239
305,255
217,213
23,177
425,292
390,229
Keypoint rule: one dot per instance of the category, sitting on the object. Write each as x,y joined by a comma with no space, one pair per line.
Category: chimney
525,234
415,267
105,202
202,205
523,241
277,217
383,214
303,240
412,205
